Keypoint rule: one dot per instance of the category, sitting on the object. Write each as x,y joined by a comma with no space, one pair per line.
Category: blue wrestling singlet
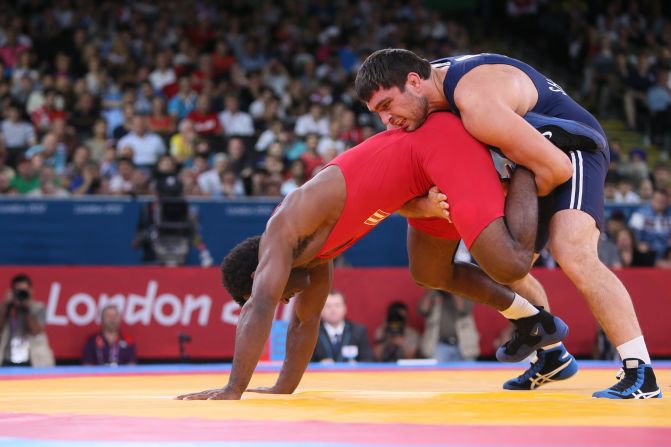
584,191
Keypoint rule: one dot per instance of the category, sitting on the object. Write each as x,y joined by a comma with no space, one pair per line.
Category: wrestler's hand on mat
215,394
268,390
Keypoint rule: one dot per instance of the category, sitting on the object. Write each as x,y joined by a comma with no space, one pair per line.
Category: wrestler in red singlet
390,168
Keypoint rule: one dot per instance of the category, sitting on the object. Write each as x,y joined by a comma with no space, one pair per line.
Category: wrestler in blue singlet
584,191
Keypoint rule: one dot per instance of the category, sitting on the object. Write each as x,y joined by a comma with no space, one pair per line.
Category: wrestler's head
390,82
239,267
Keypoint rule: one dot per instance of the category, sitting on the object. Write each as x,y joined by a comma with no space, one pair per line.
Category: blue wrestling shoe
552,365
637,381
532,333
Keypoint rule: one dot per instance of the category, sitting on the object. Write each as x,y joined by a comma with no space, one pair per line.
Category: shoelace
534,368
627,378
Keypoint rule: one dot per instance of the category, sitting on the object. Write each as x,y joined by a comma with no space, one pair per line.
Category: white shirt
160,79
306,124
19,134
210,183
146,148
119,184
327,143
238,123
334,331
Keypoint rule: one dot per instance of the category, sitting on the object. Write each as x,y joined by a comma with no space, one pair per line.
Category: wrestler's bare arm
504,249
490,109
284,243
303,330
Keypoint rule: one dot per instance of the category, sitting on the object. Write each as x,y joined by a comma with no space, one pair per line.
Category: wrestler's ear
413,79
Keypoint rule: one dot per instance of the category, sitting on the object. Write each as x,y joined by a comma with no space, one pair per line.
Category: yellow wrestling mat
353,405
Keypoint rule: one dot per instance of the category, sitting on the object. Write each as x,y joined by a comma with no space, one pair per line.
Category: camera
21,295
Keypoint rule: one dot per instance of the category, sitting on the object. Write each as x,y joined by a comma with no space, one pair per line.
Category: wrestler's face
406,109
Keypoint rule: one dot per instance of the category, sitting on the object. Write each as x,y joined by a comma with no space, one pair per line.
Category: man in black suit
340,340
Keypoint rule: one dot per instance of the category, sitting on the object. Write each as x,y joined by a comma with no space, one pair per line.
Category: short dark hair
386,69
237,268
21,277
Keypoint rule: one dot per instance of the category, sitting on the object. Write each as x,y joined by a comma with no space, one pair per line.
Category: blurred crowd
251,98
240,98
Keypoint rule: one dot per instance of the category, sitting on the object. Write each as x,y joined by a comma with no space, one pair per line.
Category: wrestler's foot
637,381
532,333
552,365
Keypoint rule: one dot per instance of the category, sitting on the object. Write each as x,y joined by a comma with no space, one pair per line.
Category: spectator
23,340
661,176
312,160
340,340
625,192
147,146
80,158
184,101
210,181
88,181
144,98
98,143
274,133
159,121
85,115
297,179
636,168
450,333
652,223
205,122
163,75
222,58
646,190
51,109
633,253
332,141
659,104
607,245
312,122
11,50
637,82
50,185
17,134
5,170
27,178
237,155
109,346
182,143
235,121
395,339
52,152
231,185
122,182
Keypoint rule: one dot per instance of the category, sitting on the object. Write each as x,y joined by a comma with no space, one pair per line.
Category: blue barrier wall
99,231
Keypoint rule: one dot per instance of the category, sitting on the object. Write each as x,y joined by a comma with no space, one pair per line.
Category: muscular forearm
549,176
301,340
251,335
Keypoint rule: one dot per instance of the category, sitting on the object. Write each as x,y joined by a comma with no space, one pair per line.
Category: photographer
394,339
23,341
